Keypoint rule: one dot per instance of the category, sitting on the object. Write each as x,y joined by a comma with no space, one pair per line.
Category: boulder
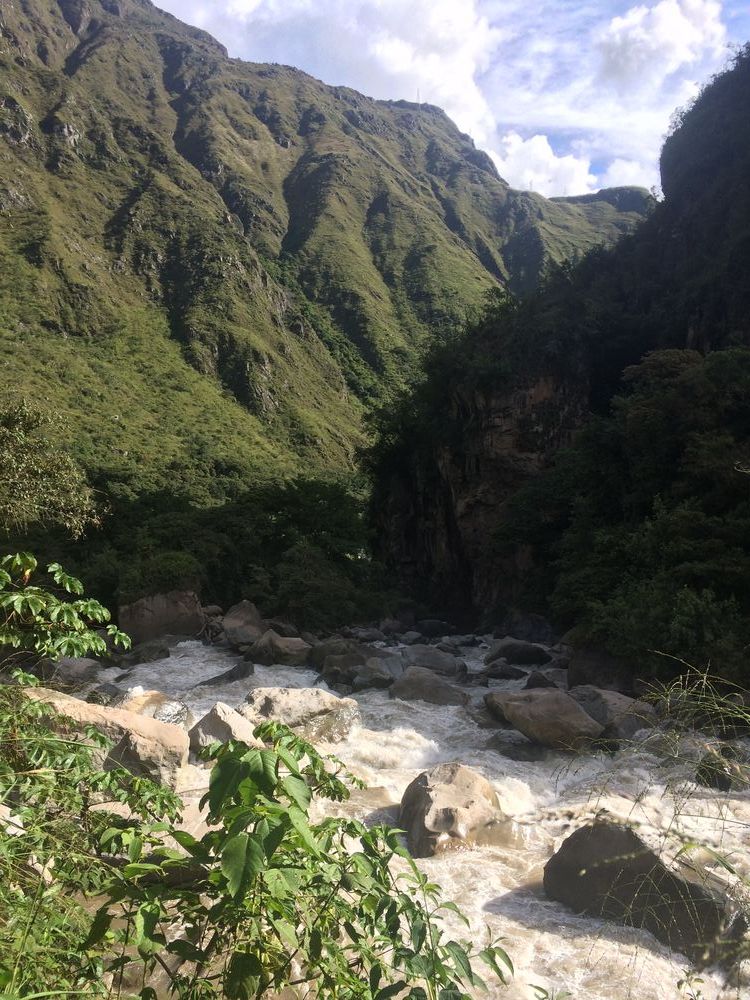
319,714
239,672
446,807
177,612
145,747
104,694
219,725
410,637
391,626
72,671
420,684
537,679
502,671
518,652
606,870
378,672
285,629
243,624
621,716
723,768
433,627
368,634
341,668
273,648
529,627
547,716
600,669
145,652
335,645
432,658
155,705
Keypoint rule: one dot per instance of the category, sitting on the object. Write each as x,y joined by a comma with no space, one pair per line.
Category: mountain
211,267
584,453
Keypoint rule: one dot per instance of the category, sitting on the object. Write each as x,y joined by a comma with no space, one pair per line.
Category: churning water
498,885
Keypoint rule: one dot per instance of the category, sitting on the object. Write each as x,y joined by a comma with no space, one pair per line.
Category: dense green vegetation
641,531
211,269
638,534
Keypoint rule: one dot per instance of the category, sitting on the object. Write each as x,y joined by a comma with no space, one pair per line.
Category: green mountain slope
210,266
544,463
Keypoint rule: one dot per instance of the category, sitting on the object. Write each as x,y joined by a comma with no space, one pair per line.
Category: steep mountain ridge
514,393
209,265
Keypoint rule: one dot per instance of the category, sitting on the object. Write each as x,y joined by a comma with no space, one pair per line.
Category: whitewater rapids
498,885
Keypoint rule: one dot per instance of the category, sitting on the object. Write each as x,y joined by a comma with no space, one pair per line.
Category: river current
498,885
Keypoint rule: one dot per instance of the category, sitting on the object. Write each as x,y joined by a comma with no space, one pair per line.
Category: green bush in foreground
264,900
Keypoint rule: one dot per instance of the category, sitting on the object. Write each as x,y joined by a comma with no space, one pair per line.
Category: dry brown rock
145,747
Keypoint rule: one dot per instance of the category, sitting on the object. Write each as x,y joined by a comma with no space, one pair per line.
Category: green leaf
243,978
241,859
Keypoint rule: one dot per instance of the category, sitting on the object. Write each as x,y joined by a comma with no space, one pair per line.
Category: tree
40,482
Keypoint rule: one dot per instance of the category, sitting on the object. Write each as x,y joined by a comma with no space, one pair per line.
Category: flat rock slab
145,747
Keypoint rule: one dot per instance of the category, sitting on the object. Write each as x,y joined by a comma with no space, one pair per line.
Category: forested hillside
634,530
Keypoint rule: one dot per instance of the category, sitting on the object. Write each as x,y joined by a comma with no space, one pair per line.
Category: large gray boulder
243,624
600,669
72,672
318,714
432,658
517,651
177,612
446,807
606,870
421,684
335,645
220,725
273,648
547,716
621,716
378,672
145,747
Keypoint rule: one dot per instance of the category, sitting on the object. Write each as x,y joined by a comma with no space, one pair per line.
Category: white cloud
531,164
648,44
548,88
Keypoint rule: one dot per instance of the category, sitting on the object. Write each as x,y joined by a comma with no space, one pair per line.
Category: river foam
498,885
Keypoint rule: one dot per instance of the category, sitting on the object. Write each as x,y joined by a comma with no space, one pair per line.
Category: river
498,885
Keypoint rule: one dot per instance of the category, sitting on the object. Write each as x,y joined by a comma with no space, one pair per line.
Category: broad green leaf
241,859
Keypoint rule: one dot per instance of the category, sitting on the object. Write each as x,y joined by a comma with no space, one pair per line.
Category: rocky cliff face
438,519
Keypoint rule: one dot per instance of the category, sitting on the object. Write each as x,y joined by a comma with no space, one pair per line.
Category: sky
567,96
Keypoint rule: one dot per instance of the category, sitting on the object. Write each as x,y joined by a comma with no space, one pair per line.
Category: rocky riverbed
503,712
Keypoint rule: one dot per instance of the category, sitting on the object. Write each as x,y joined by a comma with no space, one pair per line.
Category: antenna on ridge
419,99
